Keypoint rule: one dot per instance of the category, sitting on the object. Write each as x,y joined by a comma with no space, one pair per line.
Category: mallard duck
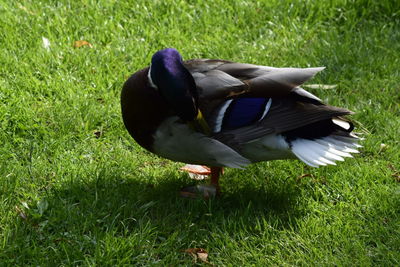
219,113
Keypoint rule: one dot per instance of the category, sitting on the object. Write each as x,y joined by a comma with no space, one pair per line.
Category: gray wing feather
216,83
280,82
203,65
249,71
219,78
246,71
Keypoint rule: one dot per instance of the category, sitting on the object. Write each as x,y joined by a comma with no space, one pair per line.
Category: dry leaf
21,213
46,43
382,147
25,205
320,86
198,254
98,134
25,9
299,178
202,256
305,175
396,176
396,173
81,43
42,206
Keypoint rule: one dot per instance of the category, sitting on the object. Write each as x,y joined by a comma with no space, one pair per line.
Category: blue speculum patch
244,111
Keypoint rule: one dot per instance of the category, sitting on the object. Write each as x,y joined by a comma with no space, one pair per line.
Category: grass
75,189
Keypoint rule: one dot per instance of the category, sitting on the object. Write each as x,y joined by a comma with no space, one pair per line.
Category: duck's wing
277,116
218,79
224,85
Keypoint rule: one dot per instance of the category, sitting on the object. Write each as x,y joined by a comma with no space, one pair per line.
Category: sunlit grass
75,189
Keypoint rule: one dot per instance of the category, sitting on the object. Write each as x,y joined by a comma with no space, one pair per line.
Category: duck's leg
199,173
215,174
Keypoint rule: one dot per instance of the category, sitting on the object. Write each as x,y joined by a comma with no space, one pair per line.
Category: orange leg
199,172
215,174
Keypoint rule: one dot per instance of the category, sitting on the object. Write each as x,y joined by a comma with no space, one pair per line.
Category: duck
213,113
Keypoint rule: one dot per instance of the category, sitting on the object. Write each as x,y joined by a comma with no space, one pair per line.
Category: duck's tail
325,150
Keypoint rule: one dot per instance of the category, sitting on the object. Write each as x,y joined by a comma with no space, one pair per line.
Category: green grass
70,198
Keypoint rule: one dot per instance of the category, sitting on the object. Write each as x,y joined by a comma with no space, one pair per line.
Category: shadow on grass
138,199
85,213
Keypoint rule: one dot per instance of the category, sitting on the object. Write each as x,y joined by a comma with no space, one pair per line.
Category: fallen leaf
25,9
320,86
98,134
21,213
25,205
42,206
202,256
305,175
198,254
299,178
395,174
81,43
390,166
382,147
46,43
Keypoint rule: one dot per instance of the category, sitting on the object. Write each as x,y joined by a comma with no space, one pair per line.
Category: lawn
75,189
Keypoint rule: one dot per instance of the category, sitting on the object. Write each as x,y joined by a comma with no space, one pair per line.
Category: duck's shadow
125,205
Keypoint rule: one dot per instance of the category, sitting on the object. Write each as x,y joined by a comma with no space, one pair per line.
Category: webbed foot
197,172
200,191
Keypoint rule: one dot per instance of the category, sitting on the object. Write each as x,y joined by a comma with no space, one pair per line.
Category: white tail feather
343,124
327,161
345,146
306,161
324,151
